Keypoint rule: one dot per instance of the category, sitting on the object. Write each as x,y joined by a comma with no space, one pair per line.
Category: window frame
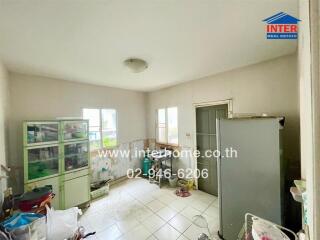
166,126
101,128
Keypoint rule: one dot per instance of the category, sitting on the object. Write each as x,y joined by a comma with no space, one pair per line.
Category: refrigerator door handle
219,176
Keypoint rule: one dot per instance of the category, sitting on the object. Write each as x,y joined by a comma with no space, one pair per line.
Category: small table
162,160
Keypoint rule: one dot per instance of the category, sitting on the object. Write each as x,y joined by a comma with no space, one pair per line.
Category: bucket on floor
190,183
173,181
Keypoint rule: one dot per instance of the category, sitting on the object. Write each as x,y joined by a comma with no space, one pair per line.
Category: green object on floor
146,165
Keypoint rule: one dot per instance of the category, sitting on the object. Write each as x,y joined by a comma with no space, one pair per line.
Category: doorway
207,143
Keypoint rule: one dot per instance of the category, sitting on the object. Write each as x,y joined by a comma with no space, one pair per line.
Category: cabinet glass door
76,155
39,133
75,130
42,161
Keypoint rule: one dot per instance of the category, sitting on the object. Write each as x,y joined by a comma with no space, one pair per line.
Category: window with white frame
167,125
102,127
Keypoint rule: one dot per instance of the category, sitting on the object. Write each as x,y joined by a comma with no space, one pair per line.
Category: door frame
309,48
313,166
228,102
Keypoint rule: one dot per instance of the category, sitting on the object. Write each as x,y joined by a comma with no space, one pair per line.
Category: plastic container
24,226
102,191
173,181
33,199
20,219
190,183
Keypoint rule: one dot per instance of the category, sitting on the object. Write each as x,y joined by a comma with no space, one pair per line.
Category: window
172,125
167,125
162,127
102,127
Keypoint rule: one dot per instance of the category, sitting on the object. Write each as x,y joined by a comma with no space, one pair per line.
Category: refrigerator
250,171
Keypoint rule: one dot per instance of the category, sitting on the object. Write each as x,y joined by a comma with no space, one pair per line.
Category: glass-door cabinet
76,155
74,130
56,153
41,162
38,133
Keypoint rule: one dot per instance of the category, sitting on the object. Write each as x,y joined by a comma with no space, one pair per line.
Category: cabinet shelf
48,161
75,155
44,160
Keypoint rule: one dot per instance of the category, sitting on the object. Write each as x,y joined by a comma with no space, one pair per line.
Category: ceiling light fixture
136,65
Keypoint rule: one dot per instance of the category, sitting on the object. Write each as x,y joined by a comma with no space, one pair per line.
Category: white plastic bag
62,224
265,230
38,229
34,231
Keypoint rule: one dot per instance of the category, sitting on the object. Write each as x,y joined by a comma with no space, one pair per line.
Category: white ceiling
182,40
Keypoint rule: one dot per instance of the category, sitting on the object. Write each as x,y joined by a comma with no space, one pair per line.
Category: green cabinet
43,161
38,133
55,151
74,130
75,155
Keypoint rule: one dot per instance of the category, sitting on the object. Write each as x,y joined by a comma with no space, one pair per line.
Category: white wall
269,87
3,123
309,72
36,98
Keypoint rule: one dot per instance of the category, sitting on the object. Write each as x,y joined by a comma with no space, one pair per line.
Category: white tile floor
138,210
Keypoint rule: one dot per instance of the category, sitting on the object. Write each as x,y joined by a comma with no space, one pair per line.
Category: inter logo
282,26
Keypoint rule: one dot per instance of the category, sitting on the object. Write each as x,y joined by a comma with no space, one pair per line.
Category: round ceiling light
136,65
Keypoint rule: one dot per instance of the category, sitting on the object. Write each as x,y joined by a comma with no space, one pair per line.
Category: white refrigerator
250,180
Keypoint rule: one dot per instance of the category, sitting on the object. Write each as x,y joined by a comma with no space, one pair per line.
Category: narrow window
109,127
167,125
172,125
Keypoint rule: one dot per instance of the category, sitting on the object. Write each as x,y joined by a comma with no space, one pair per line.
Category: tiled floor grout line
179,212
166,222
155,195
